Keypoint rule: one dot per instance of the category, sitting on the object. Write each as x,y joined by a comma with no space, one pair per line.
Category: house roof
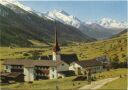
67,73
10,74
45,61
45,58
4,73
14,74
89,63
30,63
102,59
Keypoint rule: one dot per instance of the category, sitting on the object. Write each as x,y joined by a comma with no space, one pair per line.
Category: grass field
113,48
112,73
65,83
119,84
110,47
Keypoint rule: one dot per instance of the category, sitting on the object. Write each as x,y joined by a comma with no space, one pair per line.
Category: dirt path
97,84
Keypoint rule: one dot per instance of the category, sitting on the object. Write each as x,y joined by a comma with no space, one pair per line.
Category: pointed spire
56,47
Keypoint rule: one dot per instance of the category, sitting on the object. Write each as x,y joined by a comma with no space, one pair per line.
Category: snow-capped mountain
63,17
19,28
16,3
110,23
100,29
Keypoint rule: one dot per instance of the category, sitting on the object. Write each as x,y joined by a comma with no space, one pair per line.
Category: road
97,84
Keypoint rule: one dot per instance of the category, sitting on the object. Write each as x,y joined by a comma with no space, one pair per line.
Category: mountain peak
60,11
64,17
17,3
111,23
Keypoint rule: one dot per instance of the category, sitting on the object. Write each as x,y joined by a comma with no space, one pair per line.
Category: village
52,67
81,74
63,45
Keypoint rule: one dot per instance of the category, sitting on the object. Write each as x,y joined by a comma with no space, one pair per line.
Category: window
42,74
6,67
46,68
39,74
52,76
19,66
53,69
45,74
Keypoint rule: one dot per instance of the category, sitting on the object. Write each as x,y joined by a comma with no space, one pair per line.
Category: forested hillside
18,27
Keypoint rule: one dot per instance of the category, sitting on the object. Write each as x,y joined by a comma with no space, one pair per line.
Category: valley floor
68,83
113,48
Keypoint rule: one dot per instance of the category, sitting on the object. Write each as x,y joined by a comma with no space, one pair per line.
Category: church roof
67,58
56,47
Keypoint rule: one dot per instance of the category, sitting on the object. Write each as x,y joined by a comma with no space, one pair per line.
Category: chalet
32,69
82,67
105,61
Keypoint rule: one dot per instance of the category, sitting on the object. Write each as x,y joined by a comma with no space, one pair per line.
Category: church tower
56,49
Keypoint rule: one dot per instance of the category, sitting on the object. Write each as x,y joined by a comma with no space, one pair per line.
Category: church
47,67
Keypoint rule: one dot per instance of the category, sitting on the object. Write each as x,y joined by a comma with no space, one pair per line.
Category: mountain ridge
29,26
17,3
98,31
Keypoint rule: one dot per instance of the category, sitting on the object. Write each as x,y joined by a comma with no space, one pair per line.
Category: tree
115,62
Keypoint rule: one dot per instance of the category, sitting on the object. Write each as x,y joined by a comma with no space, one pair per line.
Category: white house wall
73,66
29,74
7,68
94,69
56,56
52,73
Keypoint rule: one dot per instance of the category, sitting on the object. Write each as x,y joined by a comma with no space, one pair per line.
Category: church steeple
56,47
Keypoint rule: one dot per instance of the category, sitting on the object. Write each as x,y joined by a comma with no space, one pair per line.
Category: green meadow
68,83
115,48
119,84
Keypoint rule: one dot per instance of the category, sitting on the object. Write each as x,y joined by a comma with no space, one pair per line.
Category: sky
84,10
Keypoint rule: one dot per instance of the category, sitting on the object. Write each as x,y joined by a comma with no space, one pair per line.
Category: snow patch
63,17
110,23
17,3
